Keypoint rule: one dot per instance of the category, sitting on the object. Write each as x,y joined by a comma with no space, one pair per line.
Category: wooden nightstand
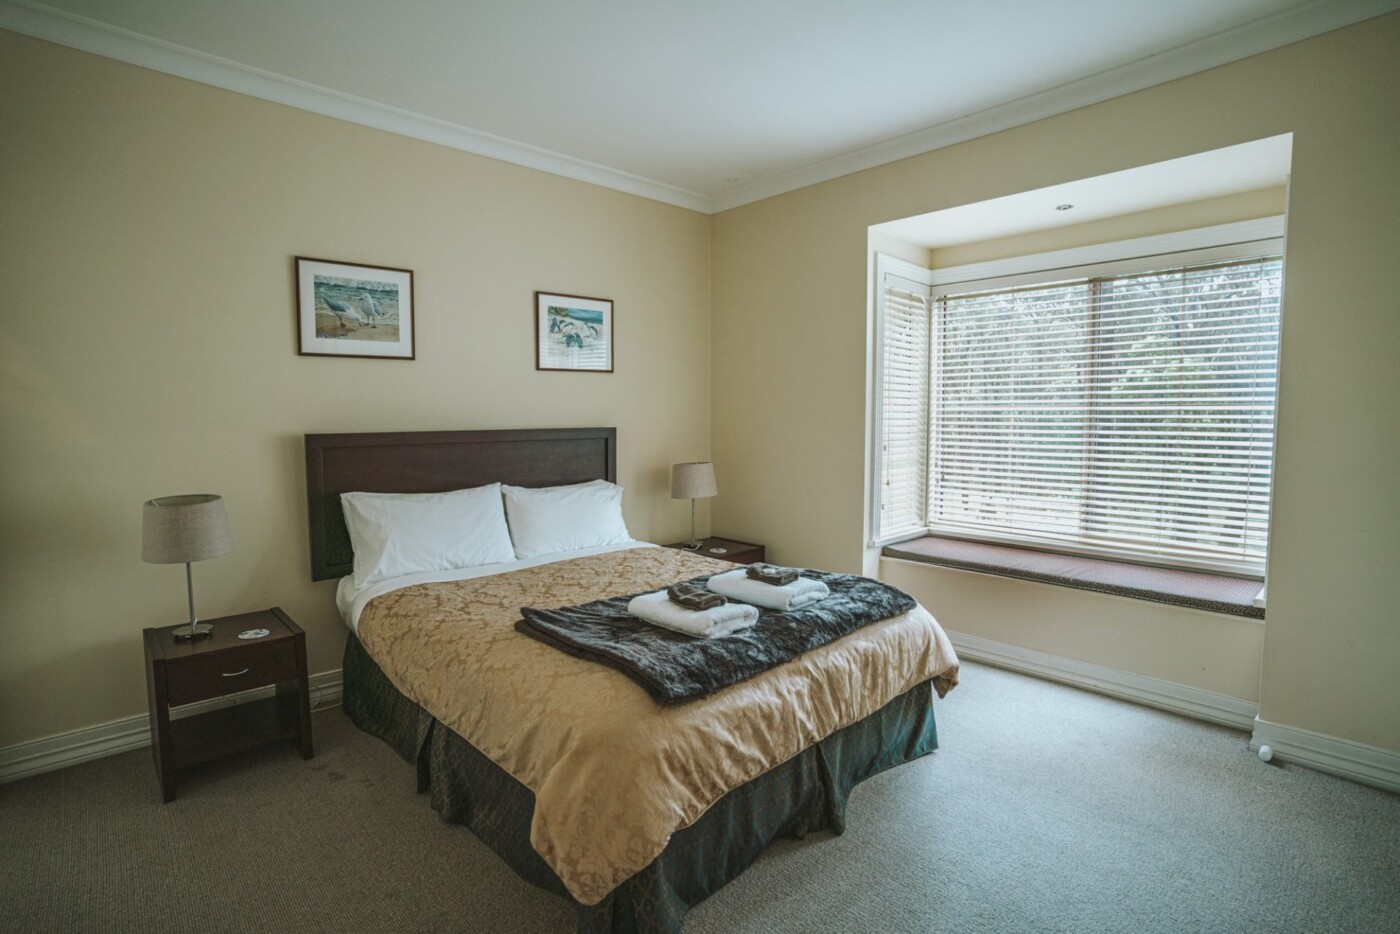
179,673
738,552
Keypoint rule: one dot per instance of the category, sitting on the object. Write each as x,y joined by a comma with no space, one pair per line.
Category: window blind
904,409
1128,415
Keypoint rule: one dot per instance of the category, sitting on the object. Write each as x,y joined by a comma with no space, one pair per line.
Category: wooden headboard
435,462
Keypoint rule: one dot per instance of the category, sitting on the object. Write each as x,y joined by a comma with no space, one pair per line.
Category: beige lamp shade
693,481
177,529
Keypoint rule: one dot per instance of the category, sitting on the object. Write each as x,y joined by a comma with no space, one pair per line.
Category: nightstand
180,673
738,552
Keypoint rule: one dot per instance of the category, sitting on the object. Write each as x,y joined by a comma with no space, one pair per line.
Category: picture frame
573,333
354,310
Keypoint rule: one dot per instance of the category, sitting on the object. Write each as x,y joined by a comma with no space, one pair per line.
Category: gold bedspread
613,773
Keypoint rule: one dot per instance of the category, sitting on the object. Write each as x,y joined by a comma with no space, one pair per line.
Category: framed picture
350,310
573,333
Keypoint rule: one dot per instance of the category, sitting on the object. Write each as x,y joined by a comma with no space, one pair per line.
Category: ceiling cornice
1262,35
89,35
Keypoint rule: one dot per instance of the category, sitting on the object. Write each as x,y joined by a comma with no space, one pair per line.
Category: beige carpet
1047,809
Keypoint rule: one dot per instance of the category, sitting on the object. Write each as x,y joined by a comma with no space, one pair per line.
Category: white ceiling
706,104
1247,167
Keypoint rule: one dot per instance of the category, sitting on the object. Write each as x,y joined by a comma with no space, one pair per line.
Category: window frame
887,267
1221,243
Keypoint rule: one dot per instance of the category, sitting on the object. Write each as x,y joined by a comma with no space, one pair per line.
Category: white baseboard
1359,762
1370,765
1154,692
128,733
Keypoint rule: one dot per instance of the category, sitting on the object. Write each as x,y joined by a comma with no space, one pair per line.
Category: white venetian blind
1127,415
904,408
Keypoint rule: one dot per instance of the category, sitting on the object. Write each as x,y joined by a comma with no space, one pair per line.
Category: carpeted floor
1047,809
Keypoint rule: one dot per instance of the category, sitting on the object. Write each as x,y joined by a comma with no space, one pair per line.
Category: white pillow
404,533
552,519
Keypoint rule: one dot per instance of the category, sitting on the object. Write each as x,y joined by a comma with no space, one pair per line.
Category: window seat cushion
1196,590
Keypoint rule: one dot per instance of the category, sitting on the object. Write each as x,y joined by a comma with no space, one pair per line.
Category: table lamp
185,529
693,481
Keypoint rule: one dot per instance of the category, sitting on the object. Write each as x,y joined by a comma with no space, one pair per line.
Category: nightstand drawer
204,676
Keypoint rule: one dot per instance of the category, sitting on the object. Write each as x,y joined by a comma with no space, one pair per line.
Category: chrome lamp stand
195,629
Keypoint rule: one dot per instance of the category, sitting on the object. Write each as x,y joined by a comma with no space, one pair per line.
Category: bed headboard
435,462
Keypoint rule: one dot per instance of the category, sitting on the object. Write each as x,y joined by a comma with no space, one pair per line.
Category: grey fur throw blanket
675,668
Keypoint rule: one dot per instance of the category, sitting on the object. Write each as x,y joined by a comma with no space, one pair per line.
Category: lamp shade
693,481
176,529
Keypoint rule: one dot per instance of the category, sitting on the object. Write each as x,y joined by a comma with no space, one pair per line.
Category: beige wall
900,249
149,225
1207,212
1202,650
790,318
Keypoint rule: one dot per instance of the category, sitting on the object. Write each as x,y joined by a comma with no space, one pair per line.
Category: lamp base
193,631
691,546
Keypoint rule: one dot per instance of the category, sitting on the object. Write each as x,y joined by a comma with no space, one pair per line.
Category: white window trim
1189,247
885,266
1107,258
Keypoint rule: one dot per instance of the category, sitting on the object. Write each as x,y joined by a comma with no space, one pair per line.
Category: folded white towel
657,609
737,585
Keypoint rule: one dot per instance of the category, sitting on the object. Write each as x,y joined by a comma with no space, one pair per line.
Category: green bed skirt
806,793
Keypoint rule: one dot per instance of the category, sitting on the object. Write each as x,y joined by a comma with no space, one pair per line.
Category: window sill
1214,593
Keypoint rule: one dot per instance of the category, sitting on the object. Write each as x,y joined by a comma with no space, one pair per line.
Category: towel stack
740,585
704,610
659,610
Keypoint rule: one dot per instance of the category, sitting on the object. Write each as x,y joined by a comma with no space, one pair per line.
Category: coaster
719,551
254,633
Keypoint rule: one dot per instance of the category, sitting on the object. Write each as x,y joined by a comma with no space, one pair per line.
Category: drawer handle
234,674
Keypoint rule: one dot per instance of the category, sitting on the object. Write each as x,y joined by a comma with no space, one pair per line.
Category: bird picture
363,314
345,314
574,327
370,308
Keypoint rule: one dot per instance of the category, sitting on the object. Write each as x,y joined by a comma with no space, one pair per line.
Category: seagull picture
345,313
370,308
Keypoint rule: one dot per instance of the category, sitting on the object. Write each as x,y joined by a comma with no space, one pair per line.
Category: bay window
1121,408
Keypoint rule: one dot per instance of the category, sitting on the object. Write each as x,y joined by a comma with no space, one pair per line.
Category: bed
570,772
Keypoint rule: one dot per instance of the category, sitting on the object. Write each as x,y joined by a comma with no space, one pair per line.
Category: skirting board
1165,695
109,739
1370,765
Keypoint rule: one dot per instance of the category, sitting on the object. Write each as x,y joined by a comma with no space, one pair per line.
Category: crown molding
1310,19
1261,35
89,35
